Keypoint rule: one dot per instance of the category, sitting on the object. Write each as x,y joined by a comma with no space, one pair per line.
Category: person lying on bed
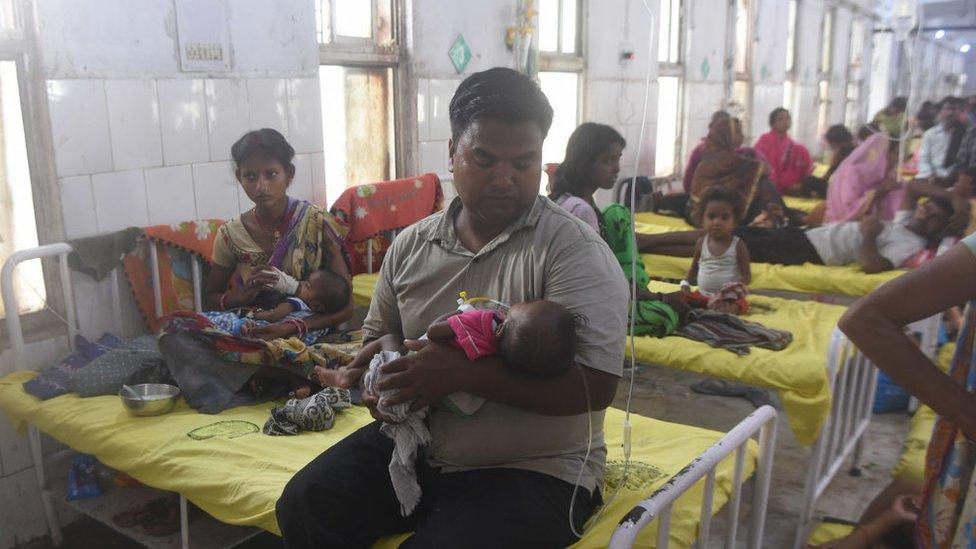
506,476
873,244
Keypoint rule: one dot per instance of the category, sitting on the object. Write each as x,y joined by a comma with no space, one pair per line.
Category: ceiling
950,14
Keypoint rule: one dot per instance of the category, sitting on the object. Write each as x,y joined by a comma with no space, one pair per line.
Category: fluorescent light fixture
939,34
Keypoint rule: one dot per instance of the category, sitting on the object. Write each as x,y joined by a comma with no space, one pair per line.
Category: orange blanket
373,211
176,245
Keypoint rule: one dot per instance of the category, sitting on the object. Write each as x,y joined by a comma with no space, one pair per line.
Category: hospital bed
832,283
826,386
234,474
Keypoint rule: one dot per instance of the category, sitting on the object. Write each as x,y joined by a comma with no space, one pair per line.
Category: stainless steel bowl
157,398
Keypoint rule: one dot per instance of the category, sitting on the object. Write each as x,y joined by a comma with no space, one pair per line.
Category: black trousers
344,498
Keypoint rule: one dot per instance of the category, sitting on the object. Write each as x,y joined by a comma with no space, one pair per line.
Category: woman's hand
263,278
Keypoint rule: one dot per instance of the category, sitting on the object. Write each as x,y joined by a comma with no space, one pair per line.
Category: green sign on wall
460,54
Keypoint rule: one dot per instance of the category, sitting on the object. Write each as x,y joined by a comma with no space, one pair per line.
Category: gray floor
663,393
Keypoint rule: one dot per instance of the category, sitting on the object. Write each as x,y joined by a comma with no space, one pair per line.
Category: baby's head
539,338
719,210
324,292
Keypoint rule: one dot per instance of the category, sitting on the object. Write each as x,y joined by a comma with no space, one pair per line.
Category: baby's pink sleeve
475,333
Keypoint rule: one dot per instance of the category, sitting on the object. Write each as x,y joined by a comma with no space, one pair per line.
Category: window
26,213
561,66
823,84
18,229
739,79
788,82
667,150
358,61
855,76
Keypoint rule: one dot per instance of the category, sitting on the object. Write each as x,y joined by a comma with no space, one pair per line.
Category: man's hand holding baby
435,370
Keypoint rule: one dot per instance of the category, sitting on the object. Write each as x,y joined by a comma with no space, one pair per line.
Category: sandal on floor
139,515
720,387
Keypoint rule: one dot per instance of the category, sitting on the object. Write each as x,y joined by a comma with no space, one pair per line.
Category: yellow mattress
911,463
238,473
798,372
827,531
805,205
808,278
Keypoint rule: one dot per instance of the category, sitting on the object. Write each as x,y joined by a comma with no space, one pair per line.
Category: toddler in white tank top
721,262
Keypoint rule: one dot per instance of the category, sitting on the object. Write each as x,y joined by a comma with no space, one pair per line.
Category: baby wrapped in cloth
535,339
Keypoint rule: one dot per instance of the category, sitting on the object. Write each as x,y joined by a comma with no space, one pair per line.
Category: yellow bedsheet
808,278
798,373
238,473
805,205
911,463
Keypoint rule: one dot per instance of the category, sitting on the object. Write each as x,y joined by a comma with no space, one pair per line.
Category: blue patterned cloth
231,322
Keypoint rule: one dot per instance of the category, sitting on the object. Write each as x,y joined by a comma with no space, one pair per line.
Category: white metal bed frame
852,380
763,421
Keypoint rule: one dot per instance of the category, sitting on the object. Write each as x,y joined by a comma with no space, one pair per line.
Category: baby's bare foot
303,391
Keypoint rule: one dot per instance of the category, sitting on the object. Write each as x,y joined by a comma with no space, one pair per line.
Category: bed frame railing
658,506
60,251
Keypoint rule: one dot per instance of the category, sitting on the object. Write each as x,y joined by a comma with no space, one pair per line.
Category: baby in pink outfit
535,339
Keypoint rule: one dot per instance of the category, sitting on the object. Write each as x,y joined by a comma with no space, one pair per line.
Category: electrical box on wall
201,29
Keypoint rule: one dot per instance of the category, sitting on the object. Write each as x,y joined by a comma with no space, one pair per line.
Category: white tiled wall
434,126
140,152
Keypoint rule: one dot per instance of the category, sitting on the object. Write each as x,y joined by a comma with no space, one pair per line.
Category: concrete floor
663,394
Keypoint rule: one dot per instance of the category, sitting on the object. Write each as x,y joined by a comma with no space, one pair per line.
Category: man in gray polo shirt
504,477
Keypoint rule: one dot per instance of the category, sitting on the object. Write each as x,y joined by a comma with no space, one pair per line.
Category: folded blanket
726,331
314,413
409,434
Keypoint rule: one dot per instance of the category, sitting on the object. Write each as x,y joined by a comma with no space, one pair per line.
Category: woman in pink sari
861,183
789,161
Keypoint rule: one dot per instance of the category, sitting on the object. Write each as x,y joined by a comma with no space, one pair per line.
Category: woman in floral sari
262,256
947,515
279,242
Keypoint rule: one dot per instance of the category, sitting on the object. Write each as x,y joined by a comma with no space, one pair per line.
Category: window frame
790,70
855,73
733,76
367,53
825,67
676,70
569,62
20,46
562,61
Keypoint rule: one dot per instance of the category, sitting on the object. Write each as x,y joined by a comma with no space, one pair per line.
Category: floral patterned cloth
948,514
176,246
373,211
